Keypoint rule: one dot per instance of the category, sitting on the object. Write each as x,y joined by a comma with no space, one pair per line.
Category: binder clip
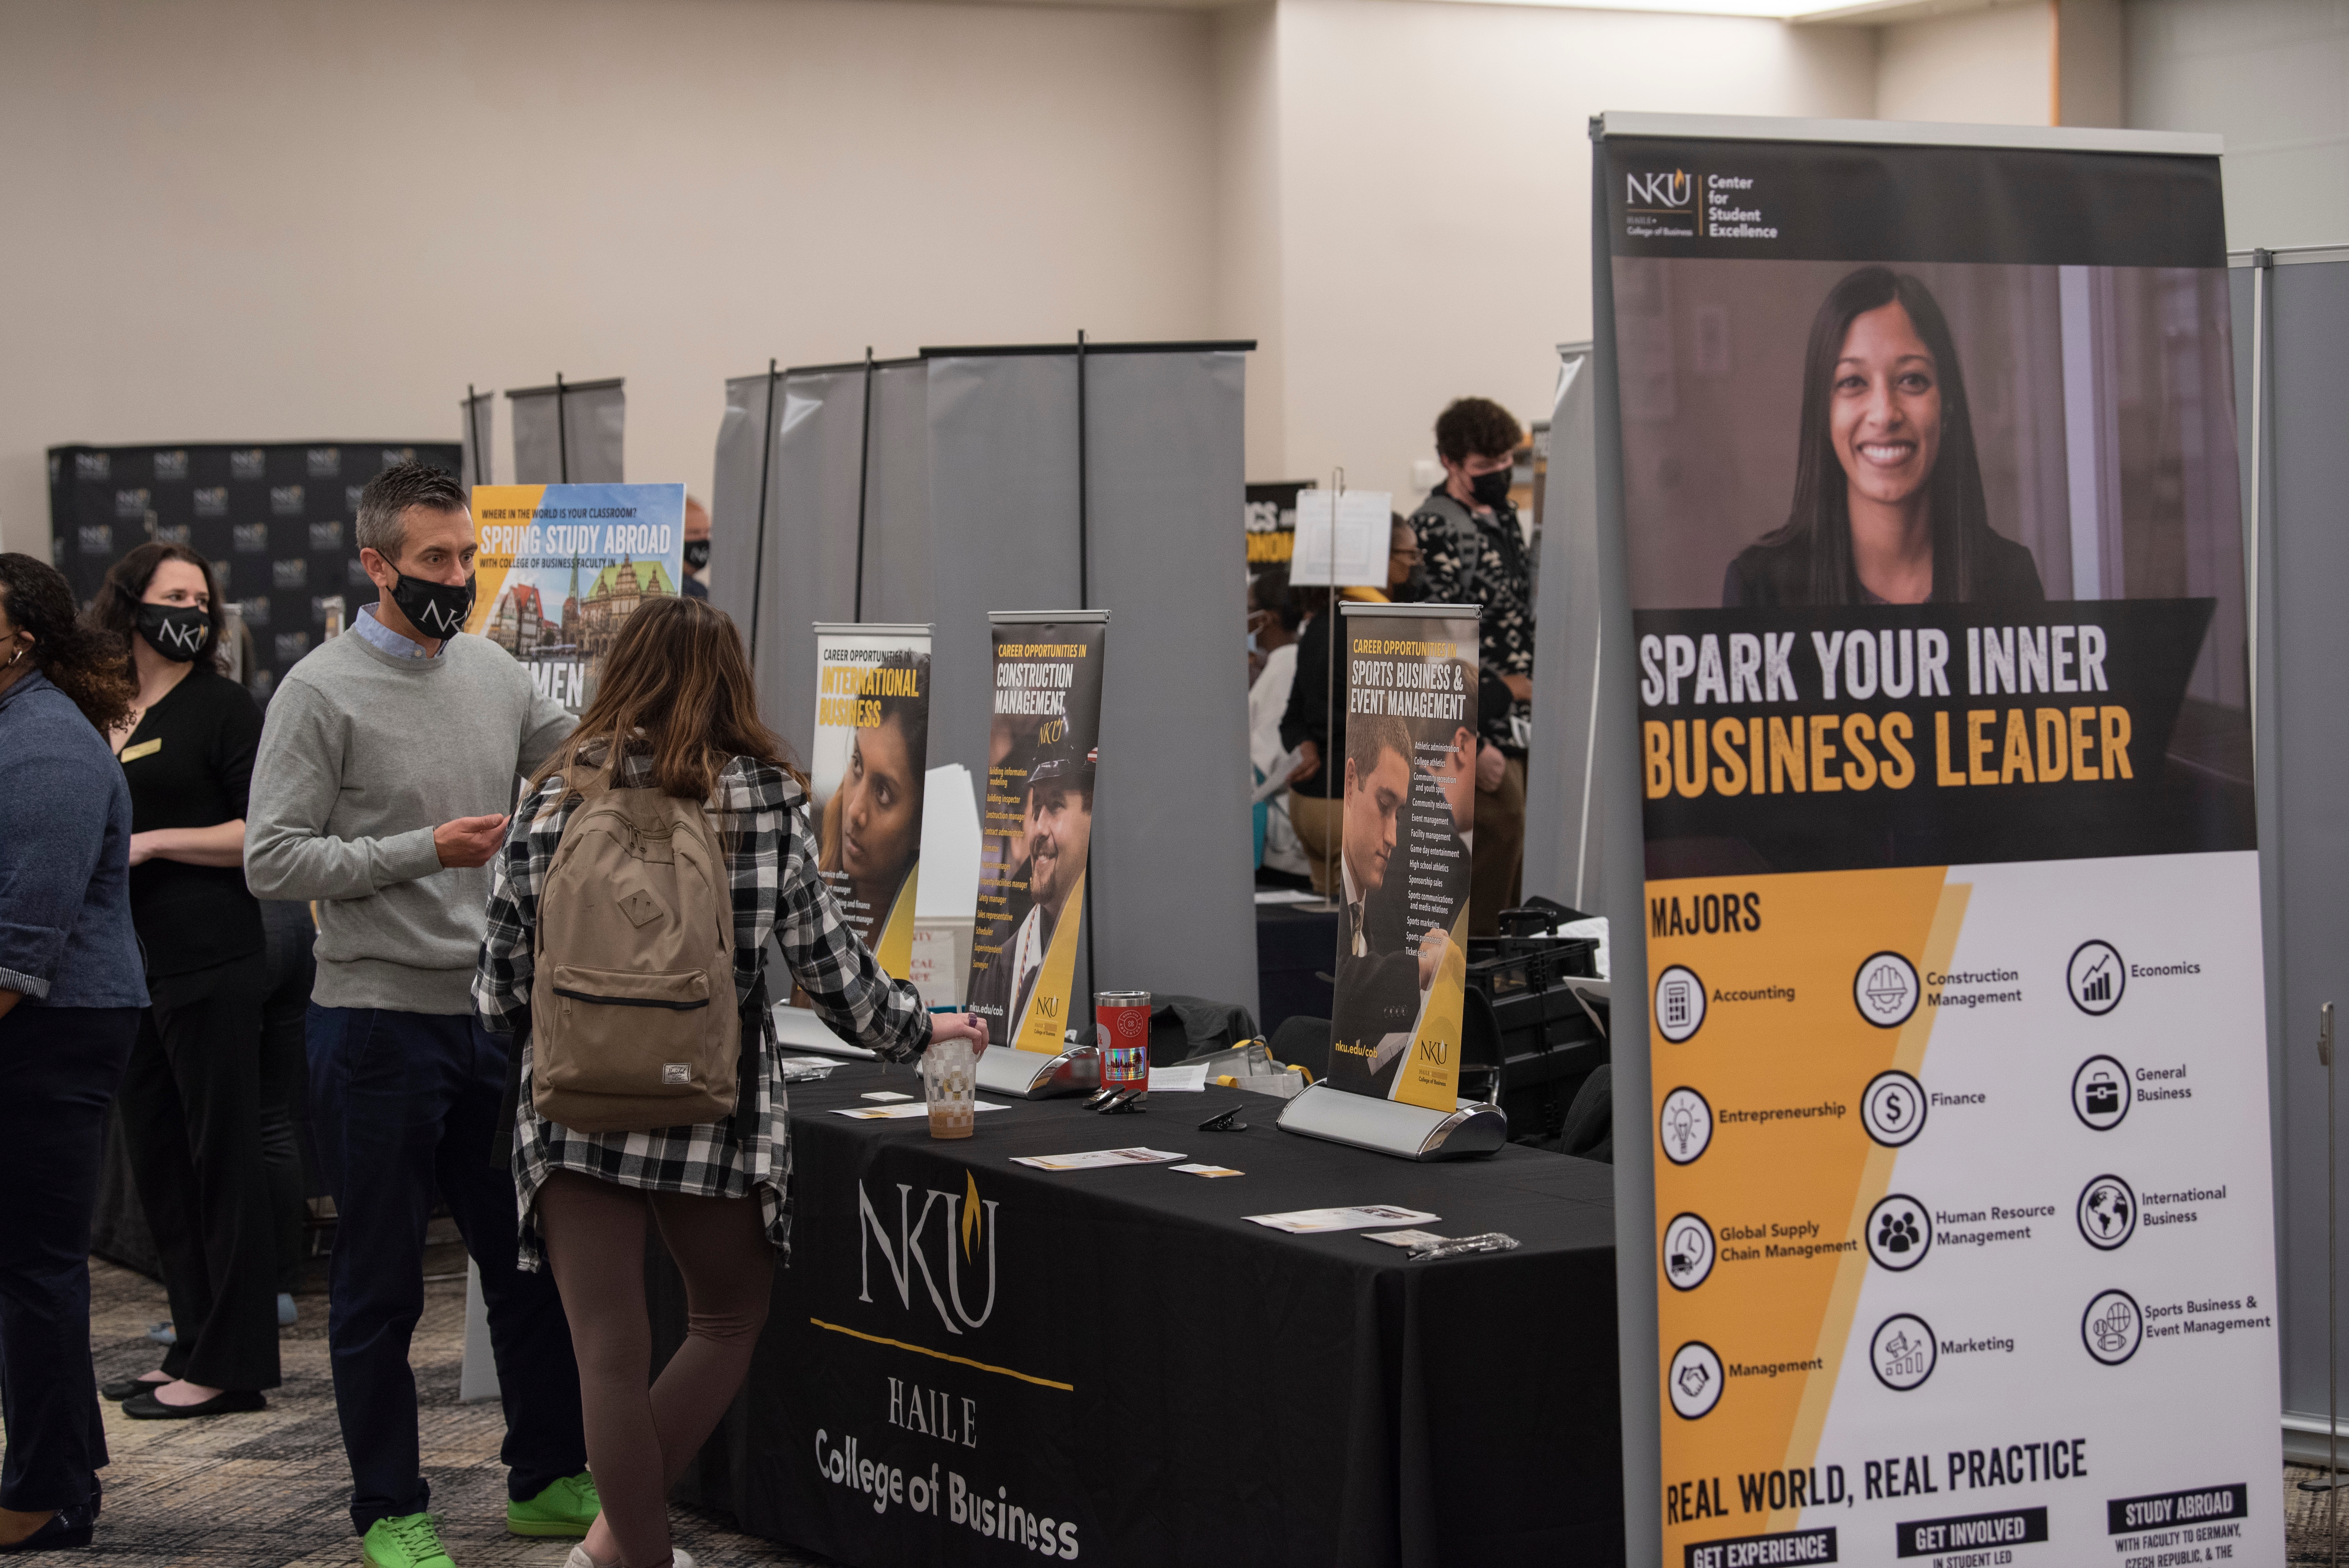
1226,1120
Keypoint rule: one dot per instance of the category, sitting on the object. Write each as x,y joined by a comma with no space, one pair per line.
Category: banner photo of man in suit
1036,825
1408,767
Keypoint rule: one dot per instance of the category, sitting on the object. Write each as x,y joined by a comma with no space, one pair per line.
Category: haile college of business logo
957,1244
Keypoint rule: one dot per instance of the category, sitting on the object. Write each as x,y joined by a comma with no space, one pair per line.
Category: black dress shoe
145,1407
66,1529
121,1388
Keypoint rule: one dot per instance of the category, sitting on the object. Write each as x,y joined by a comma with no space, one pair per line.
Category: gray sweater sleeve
295,781
547,725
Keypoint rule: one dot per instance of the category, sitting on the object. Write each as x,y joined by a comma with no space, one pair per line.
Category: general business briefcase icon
2103,1096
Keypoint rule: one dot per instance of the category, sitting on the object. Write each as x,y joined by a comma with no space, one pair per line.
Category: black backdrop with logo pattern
274,519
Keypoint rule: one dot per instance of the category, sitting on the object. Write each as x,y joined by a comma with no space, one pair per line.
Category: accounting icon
2095,977
1680,1004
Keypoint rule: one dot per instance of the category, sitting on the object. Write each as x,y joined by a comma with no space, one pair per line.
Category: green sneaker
408,1542
566,1508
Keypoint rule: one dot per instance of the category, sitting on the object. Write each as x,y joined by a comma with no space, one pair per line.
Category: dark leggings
638,1441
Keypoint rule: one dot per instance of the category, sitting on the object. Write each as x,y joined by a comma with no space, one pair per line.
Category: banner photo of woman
867,766
1408,771
1036,825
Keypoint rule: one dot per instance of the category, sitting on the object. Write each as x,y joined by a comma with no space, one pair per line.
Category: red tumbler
1124,1020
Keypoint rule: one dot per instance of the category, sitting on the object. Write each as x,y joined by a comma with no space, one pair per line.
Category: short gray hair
381,525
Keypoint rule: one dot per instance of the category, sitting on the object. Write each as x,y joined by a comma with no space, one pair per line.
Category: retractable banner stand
562,567
1958,1110
1036,825
867,766
574,432
1410,814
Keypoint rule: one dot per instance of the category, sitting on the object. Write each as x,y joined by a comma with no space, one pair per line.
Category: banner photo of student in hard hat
865,770
1036,824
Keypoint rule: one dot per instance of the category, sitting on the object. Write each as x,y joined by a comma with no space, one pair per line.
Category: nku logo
911,1257
1677,189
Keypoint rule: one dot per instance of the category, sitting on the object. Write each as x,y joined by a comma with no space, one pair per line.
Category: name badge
144,748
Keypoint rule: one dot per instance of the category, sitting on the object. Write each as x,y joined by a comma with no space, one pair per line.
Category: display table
1119,1352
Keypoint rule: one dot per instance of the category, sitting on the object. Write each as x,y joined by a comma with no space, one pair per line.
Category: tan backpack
633,1019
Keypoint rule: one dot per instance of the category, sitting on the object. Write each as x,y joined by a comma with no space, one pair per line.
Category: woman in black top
1888,506
191,1099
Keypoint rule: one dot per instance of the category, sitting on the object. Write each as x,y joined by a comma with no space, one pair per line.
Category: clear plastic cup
949,1081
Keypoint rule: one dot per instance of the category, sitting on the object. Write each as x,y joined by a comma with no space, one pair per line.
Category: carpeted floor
270,1490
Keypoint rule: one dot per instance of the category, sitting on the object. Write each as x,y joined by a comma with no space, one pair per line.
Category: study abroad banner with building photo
1409,811
866,769
1958,1042
561,567
1036,823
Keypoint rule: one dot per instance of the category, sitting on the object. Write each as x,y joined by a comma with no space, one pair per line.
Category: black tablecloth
1121,1352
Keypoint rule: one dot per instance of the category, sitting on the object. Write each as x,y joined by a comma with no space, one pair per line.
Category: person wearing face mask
695,583
1476,555
388,764
70,999
191,1099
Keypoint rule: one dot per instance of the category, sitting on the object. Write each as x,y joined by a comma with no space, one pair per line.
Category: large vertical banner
1036,825
561,567
1409,813
1962,1224
867,764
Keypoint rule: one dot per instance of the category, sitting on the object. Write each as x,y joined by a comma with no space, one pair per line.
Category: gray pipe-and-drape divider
570,433
1562,808
2294,455
971,504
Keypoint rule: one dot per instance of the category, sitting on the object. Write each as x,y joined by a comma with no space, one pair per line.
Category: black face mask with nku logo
435,609
180,633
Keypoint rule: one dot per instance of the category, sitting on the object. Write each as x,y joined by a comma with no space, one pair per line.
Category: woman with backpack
626,918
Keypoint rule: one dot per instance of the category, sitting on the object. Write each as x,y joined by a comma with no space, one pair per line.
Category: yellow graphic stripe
893,943
942,1356
1044,1026
1875,1179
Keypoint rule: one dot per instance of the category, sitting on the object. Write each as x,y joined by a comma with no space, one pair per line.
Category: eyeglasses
1412,554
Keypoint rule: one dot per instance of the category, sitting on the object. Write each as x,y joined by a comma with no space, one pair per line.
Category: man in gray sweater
388,764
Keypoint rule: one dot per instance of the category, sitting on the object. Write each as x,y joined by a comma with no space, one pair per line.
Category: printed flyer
1409,809
1036,825
562,567
1931,513
867,764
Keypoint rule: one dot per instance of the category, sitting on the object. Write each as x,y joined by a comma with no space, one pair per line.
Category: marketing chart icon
2113,1326
1902,1352
1892,1108
1687,1251
2101,1095
1685,1125
1899,1232
2095,977
1680,1004
1886,990
2107,1212
1694,1381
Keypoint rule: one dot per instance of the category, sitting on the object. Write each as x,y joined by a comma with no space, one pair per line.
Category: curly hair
85,664
1476,428
115,611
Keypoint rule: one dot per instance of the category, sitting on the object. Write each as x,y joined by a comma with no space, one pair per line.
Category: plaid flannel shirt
762,821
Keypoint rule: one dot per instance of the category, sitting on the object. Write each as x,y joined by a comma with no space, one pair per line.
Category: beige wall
1996,67
1435,194
286,219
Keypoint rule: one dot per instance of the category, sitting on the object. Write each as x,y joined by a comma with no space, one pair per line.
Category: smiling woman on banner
191,1099
1888,506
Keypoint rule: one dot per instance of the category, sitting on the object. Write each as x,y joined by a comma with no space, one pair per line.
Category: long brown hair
1820,518
84,665
115,611
676,686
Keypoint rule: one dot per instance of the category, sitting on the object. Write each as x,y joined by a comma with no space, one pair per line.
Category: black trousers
59,1067
191,1124
286,1079
404,1103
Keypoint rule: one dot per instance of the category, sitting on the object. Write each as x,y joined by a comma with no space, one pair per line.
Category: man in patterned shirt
1475,554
